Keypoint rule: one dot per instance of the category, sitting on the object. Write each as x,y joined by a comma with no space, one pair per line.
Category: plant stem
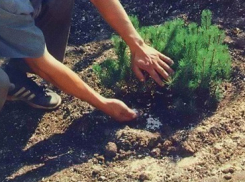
212,60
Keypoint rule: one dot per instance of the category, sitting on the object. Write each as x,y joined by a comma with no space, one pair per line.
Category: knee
4,83
4,87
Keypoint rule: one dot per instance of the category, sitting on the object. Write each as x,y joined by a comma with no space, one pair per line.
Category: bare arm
143,57
65,79
113,12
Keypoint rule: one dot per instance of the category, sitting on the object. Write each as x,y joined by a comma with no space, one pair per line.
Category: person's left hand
146,58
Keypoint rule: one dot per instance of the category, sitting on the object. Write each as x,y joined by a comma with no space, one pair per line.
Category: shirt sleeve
19,36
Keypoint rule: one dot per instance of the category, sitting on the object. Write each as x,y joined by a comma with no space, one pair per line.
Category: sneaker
25,89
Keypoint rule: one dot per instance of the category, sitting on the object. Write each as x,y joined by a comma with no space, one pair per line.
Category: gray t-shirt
19,36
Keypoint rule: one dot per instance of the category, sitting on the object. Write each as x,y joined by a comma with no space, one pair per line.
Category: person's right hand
119,111
146,58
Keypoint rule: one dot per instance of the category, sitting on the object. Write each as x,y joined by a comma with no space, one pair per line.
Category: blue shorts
19,36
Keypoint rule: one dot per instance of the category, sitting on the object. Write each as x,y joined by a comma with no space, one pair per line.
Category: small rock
227,176
228,169
95,161
102,178
231,170
140,156
144,176
76,170
188,148
225,171
221,158
95,172
111,150
167,143
218,147
228,40
241,142
172,149
156,152
100,159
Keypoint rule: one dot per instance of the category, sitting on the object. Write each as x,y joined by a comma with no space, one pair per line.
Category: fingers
132,113
166,59
156,64
158,70
155,71
155,76
165,67
120,111
138,73
161,69
129,115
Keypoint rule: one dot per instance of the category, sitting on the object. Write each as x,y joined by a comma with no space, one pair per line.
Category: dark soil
78,143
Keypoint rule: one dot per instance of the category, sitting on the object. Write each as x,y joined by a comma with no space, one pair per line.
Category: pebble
156,152
95,172
227,176
100,159
228,169
102,178
218,147
231,170
242,142
111,150
225,171
144,176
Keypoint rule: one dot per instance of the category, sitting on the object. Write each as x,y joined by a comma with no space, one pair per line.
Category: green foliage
112,72
202,61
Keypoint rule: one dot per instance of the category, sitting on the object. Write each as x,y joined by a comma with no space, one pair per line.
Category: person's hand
146,58
119,111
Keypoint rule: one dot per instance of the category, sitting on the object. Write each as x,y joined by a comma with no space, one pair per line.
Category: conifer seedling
202,60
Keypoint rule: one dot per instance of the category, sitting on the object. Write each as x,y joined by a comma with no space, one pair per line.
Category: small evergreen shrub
202,61
116,73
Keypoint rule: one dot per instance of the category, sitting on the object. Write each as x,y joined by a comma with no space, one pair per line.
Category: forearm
113,12
65,79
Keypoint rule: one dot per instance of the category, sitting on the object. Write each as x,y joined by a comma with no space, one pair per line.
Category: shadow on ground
84,137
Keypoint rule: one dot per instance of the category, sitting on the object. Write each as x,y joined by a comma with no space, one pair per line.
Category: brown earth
78,143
